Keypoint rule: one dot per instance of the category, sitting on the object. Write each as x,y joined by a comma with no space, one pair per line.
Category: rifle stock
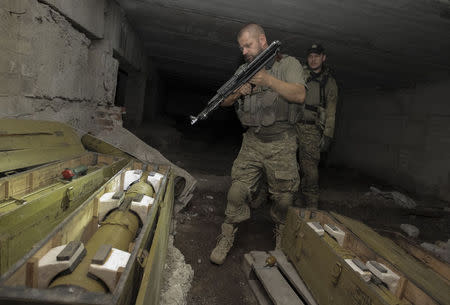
238,79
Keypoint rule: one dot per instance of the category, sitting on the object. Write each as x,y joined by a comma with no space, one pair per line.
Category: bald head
252,41
254,30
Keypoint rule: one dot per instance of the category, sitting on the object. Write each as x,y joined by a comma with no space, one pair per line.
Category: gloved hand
325,143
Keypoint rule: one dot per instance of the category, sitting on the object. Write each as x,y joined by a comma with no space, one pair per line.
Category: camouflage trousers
258,162
309,157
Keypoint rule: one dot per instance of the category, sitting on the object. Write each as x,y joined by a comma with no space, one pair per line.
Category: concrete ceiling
369,42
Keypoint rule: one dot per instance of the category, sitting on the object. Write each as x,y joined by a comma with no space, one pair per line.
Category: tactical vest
315,102
264,107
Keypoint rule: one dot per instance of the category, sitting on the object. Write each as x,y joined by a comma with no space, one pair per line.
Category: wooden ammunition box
33,202
39,210
323,259
139,281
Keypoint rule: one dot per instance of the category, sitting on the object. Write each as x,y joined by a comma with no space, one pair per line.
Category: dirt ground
208,157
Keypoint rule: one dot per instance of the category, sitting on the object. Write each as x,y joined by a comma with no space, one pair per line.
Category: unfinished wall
402,137
84,14
51,67
129,50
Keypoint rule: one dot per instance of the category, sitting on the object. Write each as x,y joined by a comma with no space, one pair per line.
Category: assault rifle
239,79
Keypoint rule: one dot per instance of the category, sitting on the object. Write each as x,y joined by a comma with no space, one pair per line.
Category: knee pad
237,209
238,193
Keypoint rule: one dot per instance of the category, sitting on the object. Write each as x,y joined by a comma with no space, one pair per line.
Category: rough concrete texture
124,41
84,116
402,137
44,58
86,14
177,277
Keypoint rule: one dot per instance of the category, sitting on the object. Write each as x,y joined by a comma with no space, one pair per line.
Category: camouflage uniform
317,121
268,149
276,160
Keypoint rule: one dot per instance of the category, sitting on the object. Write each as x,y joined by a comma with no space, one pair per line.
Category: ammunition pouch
319,116
311,108
264,107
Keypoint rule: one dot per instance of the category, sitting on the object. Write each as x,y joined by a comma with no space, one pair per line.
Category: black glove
325,143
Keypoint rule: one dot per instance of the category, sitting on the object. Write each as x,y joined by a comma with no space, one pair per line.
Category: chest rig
264,107
312,81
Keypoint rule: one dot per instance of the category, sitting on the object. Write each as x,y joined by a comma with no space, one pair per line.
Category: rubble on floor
177,277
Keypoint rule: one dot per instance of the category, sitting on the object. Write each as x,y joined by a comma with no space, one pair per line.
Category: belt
267,138
307,122
311,108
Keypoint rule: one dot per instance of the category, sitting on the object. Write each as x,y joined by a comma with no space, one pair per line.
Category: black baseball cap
316,48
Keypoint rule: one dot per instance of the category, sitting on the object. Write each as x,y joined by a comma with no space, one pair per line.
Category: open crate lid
27,143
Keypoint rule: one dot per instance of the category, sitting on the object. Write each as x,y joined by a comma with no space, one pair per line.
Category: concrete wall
128,49
402,137
51,69
84,14
126,44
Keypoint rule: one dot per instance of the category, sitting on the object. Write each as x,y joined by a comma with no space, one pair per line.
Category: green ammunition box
324,260
40,211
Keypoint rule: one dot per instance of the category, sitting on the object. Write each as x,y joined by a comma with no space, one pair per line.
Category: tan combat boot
278,232
224,244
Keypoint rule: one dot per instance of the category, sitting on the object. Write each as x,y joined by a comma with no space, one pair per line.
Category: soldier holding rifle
267,105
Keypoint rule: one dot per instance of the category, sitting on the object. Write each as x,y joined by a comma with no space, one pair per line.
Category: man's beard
249,58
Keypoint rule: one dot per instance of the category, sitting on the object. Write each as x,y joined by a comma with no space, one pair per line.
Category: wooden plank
11,160
259,258
259,292
255,285
278,289
149,290
276,286
247,265
4,190
31,277
25,183
421,254
291,274
401,287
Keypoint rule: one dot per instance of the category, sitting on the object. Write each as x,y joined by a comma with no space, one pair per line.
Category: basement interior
126,178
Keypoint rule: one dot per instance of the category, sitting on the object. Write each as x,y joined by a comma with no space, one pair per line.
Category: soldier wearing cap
315,127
